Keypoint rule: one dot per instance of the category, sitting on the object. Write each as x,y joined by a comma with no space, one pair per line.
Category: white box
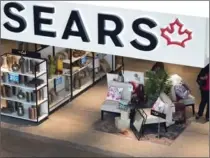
124,115
122,124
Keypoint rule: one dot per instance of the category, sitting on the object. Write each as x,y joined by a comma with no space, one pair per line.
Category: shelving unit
59,86
61,96
24,94
24,86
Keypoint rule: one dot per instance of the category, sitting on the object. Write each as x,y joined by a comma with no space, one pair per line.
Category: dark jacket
202,73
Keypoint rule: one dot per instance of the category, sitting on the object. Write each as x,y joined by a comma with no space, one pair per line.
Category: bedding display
165,109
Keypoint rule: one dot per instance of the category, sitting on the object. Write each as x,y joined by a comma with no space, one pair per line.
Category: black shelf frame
94,81
70,53
20,54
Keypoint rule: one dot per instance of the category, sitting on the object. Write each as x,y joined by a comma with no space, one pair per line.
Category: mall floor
73,123
16,144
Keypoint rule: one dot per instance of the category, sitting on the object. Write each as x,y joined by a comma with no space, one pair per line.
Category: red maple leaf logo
170,29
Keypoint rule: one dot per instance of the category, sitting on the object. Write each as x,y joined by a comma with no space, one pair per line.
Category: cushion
190,100
114,93
159,106
181,91
152,119
110,106
166,99
175,79
127,89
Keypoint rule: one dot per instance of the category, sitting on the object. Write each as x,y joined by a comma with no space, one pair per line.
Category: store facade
168,38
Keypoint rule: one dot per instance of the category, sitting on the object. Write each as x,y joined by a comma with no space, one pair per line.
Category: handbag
159,106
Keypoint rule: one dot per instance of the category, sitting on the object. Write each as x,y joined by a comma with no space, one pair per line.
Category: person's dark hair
158,65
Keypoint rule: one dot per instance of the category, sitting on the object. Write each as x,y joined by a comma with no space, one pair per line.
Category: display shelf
24,86
25,116
58,103
99,75
61,98
67,61
42,117
82,68
24,74
67,73
15,99
77,91
54,77
14,115
40,67
118,66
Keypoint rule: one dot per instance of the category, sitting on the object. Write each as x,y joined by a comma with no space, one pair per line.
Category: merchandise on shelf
23,85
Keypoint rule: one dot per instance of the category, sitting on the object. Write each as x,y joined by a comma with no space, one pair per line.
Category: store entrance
64,73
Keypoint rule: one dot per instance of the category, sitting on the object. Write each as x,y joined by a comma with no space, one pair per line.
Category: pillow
114,93
181,91
159,106
165,99
175,79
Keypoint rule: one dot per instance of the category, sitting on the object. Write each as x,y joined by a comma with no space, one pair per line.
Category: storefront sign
130,33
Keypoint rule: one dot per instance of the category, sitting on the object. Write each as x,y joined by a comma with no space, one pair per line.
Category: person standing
158,66
203,81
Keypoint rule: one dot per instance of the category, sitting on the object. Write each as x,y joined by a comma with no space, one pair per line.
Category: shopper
158,66
203,81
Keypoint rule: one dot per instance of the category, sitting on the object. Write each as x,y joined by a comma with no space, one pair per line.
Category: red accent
170,29
206,87
135,86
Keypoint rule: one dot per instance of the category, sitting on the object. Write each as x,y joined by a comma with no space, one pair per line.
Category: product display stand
81,70
24,93
46,80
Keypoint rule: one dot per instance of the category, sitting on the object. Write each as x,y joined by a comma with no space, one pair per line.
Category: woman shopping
203,81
